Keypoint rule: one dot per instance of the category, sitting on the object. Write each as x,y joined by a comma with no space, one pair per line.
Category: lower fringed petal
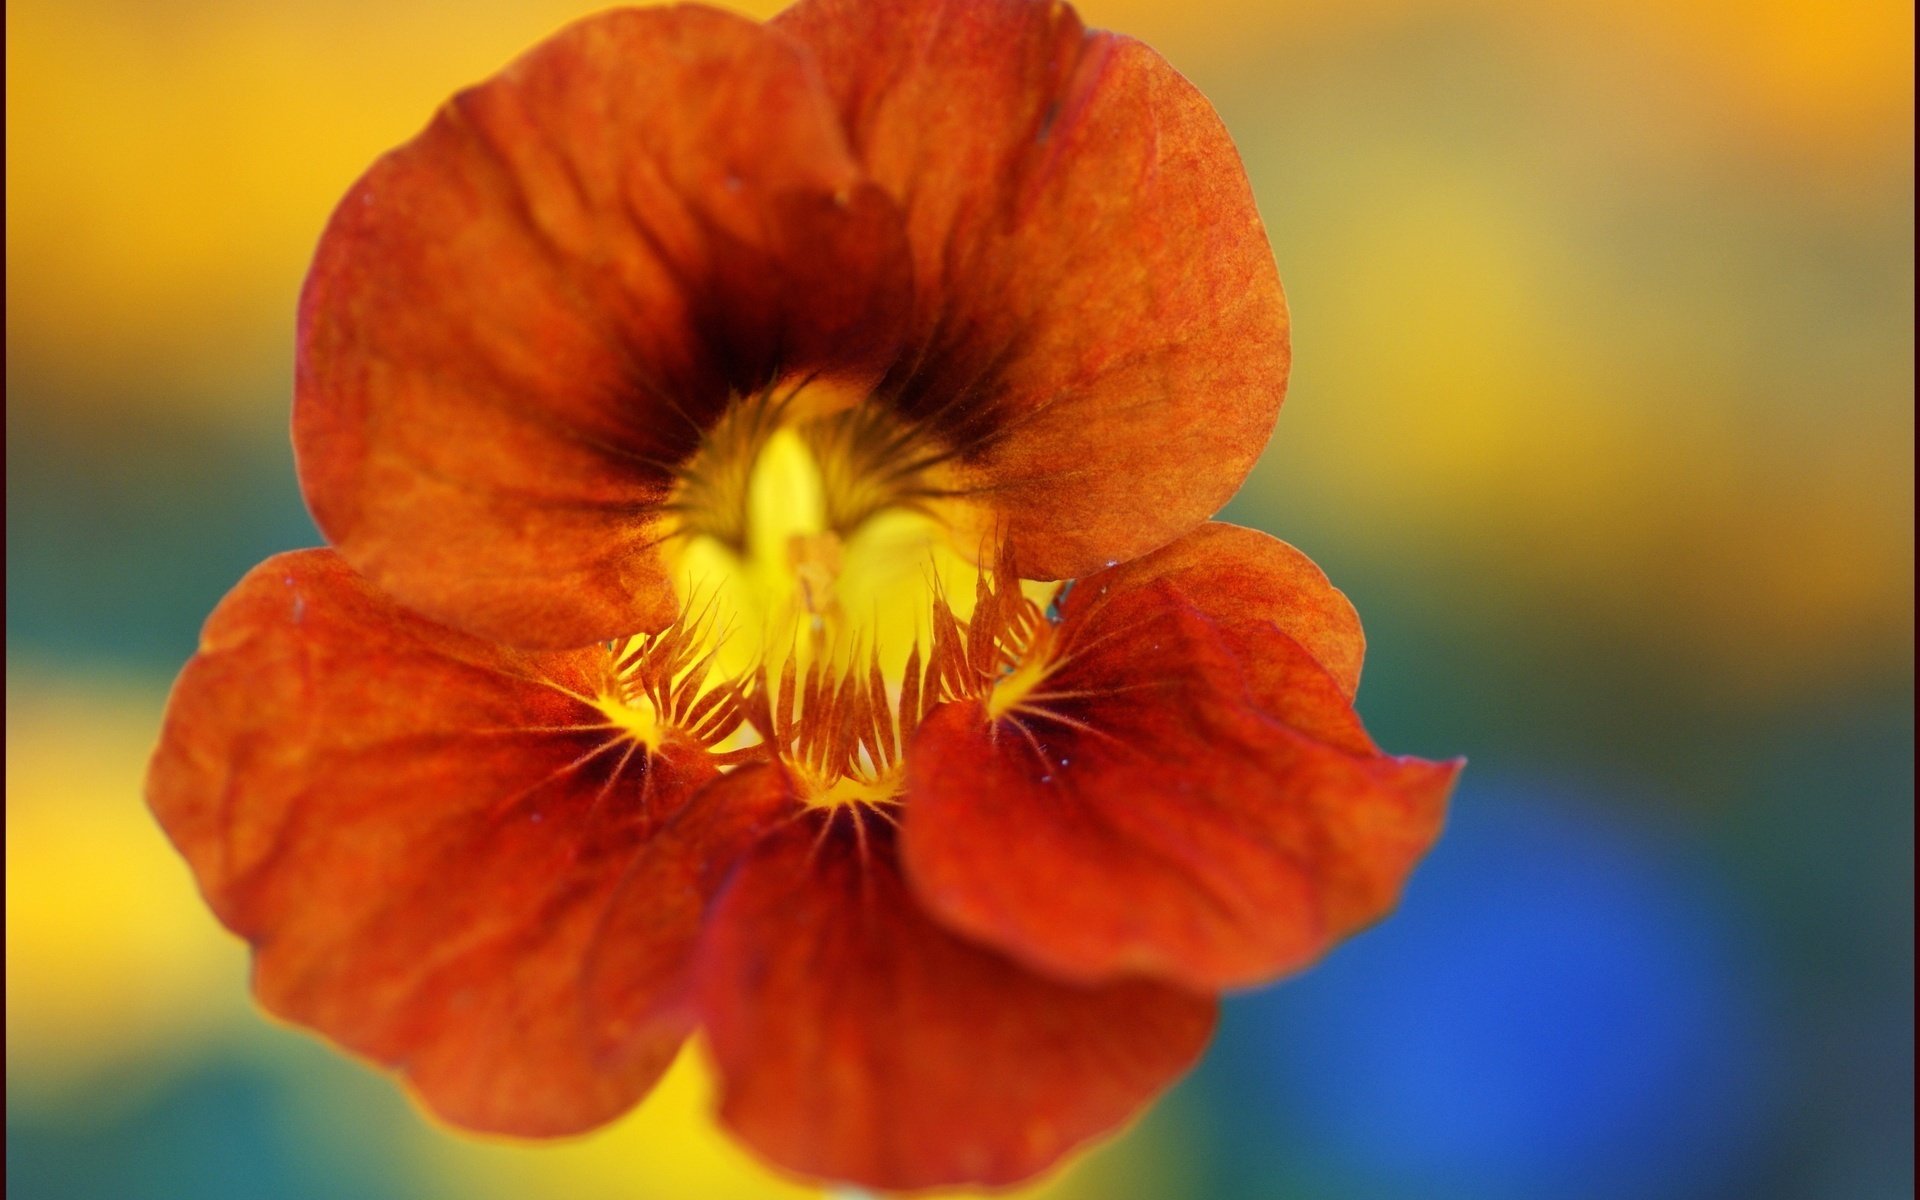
858,1040
639,978
1251,585
421,835
1184,794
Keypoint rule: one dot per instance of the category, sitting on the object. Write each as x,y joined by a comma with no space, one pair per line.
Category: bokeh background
1602,415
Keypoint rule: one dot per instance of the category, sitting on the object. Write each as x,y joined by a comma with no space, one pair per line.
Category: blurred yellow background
1602,412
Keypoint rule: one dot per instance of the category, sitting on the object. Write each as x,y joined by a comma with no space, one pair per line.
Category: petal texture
1187,795
858,1040
420,835
1098,324
1250,584
639,978
519,322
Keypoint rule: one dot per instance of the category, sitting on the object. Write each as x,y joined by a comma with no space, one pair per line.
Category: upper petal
1098,323
1187,794
421,834
858,1040
520,321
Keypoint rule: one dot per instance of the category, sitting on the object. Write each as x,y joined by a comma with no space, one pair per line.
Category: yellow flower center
632,713
828,568
819,536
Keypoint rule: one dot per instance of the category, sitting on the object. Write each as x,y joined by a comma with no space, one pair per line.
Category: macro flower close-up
764,600
771,596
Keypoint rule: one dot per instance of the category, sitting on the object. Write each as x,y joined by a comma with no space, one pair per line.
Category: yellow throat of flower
827,567
818,536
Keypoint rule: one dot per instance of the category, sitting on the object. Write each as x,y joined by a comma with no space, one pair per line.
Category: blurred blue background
1602,415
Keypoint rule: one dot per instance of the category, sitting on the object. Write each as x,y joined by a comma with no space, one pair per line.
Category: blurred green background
1601,414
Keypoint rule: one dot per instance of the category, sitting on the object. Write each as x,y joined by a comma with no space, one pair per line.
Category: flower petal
1249,583
420,834
1098,324
857,1040
519,322
1160,804
640,971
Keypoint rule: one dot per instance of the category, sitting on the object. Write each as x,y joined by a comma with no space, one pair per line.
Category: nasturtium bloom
770,594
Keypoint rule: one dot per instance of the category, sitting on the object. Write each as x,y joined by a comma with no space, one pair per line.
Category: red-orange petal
420,834
1248,583
1098,322
639,978
1187,796
518,322
858,1040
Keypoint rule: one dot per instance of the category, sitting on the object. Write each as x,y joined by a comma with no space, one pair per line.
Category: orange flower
694,410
